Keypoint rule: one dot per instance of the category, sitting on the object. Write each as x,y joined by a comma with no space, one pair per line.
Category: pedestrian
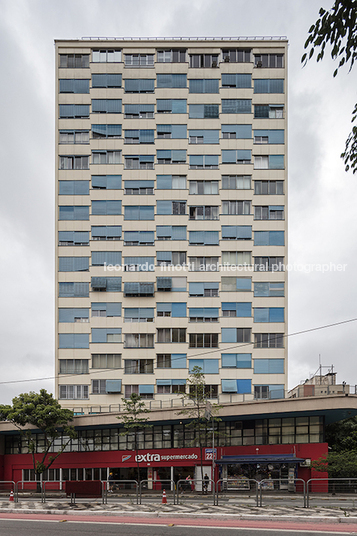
205,483
111,482
188,483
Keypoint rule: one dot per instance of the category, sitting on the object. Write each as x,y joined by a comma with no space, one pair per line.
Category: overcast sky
322,197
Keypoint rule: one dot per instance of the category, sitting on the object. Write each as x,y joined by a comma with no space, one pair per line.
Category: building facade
171,224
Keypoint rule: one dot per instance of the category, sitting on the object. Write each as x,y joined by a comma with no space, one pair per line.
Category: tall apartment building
171,170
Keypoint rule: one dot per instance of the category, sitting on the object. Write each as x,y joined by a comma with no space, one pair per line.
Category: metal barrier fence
338,488
296,485
157,486
115,486
195,485
230,486
8,486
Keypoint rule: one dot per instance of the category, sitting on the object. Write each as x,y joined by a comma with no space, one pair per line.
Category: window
110,55
102,208
206,289
104,335
269,162
171,258
73,315
138,187
139,366
106,80
204,213
174,55
203,340
73,264
139,314
171,232
268,238
73,340
269,391
204,161
139,340
236,55
171,182
67,85
104,258
171,207
236,232
171,361
268,366
74,136
139,60
210,391
236,335
74,162
139,264
204,136
208,366
236,106
171,284
73,188
236,182
73,290
204,187
204,264
269,60
171,80
204,314
269,136
268,264
106,106
106,182
171,131
237,309
136,212
236,284
74,392
204,238
203,111
237,386
145,391
130,389
269,187
108,310
173,310
269,289
136,238
272,212
139,85
171,335
264,85
106,131
68,212
171,106
203,60
103,361
139,111
74,111
269,314
167,387
239,156
236,131
139,136
171,157
207,85
106,284
236,207
139,162
269,340
73,366
236,360
100,387
237,80
106,157
74,61
268,111
138,289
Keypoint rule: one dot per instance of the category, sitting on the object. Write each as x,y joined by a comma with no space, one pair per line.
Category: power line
241,345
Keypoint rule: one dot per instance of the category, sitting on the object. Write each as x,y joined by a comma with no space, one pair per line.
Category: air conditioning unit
226,59
214,64
259,64
306,463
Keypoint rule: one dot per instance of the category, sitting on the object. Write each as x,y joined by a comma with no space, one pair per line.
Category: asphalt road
26,527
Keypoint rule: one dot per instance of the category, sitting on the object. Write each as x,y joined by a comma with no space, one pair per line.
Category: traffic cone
11,498
164,500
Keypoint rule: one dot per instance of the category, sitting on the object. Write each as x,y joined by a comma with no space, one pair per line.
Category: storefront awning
259,458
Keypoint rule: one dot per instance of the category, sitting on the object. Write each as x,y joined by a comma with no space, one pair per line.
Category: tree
134,422
42,412
338,28
195,410
341,436
338,464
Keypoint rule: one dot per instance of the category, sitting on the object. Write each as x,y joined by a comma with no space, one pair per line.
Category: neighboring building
319,385
171,152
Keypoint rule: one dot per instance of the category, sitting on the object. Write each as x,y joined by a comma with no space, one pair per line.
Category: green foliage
338,464
338,29
40,411
342,436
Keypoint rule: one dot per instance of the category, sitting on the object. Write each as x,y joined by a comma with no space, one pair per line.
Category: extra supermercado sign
170,456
